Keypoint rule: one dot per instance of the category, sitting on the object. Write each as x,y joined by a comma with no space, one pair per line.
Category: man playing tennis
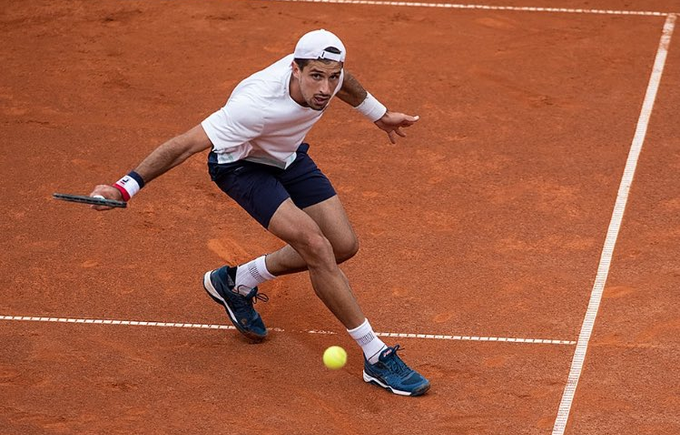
258,157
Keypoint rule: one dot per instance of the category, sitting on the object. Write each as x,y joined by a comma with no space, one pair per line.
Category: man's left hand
392,122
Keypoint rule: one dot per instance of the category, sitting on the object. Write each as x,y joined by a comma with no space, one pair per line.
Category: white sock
252,274
369,342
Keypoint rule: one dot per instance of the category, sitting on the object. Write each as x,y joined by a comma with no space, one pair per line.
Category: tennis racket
92,200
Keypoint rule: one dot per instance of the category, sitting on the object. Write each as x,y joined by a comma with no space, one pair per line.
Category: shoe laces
395,364
253,296
261,296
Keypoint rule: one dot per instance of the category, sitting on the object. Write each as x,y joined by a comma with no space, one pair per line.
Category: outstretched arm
351,91
162,159
356,96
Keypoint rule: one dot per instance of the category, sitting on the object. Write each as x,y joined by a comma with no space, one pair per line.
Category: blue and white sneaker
219,284
392,373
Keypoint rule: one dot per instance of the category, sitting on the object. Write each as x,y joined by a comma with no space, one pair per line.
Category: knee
314,247
347,249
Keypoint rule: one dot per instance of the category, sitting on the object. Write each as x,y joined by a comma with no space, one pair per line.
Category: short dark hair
302,63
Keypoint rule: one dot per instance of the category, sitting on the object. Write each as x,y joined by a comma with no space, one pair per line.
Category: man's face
317,82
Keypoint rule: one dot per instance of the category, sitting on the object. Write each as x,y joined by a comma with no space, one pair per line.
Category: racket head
84,199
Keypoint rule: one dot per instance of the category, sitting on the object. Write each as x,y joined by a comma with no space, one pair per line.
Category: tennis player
258,157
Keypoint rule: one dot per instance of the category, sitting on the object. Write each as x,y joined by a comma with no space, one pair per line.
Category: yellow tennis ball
335,357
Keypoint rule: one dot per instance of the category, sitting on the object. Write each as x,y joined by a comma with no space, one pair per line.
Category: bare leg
331,218
307,240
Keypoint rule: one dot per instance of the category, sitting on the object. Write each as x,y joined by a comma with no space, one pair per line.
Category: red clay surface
488,220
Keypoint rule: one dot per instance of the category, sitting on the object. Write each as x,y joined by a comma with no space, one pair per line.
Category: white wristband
129,185
371,108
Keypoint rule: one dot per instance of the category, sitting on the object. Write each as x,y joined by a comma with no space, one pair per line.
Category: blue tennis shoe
391,373
219,284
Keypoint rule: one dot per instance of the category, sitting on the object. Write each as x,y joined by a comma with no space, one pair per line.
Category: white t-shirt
261,122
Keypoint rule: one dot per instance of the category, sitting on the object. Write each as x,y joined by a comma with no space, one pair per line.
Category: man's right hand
108,192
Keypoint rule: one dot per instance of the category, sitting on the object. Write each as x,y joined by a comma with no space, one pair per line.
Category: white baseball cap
313,46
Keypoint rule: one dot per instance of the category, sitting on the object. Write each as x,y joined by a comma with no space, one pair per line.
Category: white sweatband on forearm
371,108
129,185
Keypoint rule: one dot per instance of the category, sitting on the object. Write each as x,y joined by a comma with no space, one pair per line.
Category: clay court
521,243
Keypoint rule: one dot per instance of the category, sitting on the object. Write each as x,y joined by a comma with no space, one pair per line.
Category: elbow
188,144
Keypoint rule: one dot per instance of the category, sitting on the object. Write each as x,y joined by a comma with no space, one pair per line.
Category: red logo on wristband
126,195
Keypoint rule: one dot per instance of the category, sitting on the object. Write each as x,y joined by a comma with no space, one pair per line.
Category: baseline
484,7
229,327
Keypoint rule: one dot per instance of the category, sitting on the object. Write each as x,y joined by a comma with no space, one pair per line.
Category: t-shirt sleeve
238,122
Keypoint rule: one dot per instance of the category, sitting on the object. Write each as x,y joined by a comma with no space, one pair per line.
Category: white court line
484,7
613,231
204,326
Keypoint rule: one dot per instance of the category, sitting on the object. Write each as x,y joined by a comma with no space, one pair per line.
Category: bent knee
346,250
313,247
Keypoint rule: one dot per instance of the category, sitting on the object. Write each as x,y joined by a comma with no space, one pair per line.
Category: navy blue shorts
260,189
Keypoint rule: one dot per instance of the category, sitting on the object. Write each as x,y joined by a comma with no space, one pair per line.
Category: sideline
613,231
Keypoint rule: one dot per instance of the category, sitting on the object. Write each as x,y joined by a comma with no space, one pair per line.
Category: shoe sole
375,381
215,296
